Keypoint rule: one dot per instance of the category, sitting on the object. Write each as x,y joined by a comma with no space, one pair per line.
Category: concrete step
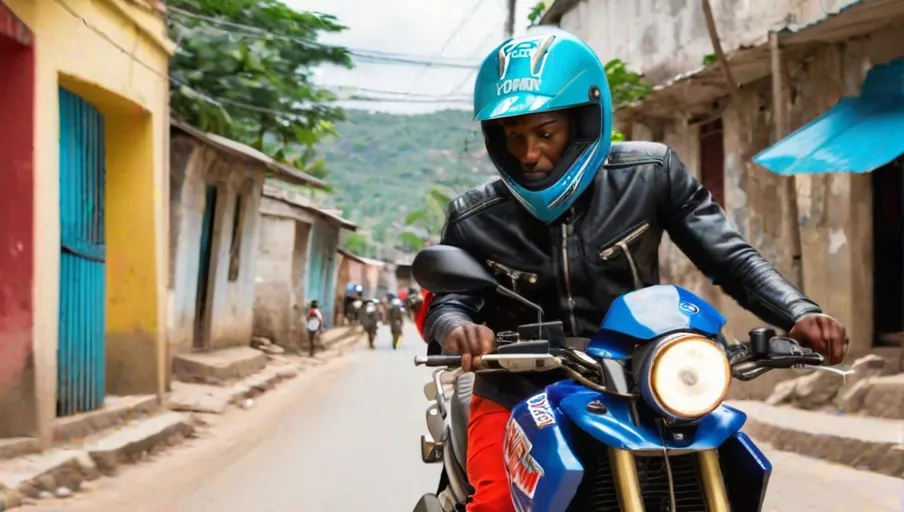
18,446
219,366
61,471
133,442
117,410
339,334
186,396
45,472
862,442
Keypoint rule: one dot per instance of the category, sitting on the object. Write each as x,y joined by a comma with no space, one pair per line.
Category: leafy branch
243,71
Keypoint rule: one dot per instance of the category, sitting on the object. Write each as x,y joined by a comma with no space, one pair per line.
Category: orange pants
486,464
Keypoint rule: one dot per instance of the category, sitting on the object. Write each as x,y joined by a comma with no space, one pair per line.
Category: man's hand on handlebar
471,341
823,334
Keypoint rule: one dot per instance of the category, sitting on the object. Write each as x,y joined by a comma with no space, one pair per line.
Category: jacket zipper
566,227
622,244
513,274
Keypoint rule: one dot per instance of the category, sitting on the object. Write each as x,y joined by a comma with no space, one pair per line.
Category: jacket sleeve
450,310
700,228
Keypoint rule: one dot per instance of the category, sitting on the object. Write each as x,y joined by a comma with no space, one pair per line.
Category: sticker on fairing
540,411
523,471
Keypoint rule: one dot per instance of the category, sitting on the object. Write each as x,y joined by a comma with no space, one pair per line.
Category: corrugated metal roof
296,199
859,134
283,172
361,259
854,19
693,92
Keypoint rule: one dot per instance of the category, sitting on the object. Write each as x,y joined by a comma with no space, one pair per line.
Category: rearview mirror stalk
501,290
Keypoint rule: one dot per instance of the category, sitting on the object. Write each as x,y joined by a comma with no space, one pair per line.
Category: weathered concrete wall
228,316
834,211
665,38
231,309
282,261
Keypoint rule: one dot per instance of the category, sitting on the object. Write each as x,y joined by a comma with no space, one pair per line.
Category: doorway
205,256
888,255
712,160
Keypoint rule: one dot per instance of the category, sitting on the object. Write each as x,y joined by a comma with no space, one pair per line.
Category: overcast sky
418,28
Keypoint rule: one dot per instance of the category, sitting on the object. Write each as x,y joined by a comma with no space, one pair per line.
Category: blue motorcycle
637,425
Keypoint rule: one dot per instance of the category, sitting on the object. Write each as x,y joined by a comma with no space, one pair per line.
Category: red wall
16,208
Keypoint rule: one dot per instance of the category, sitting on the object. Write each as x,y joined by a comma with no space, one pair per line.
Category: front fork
627,482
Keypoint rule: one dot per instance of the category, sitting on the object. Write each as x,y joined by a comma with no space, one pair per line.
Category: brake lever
839,369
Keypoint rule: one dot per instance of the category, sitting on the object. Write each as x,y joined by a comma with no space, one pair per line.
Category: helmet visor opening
586,125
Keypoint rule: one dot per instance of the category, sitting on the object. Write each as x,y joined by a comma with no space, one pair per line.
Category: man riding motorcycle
395,316
574,222
353,302
414,301
369,318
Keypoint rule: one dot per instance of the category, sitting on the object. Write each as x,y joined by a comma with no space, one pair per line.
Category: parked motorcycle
638,424
370,319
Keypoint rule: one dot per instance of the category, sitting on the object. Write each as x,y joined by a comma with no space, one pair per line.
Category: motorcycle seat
459,410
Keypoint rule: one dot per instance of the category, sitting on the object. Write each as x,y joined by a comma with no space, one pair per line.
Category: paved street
348,441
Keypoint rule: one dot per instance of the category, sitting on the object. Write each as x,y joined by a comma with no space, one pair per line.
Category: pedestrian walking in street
314,321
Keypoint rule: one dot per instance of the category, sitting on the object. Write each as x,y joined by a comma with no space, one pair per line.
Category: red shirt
422,314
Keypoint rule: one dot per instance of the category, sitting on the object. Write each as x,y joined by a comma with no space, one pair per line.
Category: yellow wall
134,100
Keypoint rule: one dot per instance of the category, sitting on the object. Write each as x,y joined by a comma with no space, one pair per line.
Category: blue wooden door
82,308
316,263
201,302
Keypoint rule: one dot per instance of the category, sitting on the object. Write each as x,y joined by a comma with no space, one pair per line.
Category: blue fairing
548,433
545,473
651,312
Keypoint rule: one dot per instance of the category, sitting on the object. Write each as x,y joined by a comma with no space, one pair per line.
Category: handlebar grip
450,361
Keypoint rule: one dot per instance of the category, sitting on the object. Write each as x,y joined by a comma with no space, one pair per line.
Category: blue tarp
859,134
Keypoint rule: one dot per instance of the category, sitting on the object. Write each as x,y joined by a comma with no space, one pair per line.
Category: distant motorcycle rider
574,222
369,318
395,315
414,301
352,302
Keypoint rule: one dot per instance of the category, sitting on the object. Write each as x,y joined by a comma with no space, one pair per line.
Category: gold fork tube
625,472
713,482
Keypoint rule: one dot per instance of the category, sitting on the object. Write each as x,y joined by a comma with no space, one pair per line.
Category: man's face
537,141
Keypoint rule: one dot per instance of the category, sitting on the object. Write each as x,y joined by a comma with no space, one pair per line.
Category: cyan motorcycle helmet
546,71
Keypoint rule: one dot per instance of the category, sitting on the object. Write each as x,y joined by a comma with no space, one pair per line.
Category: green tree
428,221
538,10
242,70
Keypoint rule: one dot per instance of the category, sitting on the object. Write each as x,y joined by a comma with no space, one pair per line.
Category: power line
374,56
393,93
218,101
490,35
461,25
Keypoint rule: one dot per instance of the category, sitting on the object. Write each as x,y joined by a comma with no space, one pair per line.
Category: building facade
89,162
215,195
297,263
832,229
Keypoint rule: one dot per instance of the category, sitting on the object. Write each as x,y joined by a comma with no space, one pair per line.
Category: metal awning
859,134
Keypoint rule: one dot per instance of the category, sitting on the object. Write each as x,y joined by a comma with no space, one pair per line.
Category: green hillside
382,166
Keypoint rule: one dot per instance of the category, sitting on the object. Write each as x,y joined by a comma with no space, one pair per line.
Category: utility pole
510,18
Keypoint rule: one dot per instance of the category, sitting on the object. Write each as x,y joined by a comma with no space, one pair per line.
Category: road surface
347,440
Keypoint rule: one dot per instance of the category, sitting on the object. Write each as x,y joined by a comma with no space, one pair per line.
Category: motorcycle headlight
686,376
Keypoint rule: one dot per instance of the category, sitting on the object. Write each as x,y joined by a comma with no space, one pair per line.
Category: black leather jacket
606,246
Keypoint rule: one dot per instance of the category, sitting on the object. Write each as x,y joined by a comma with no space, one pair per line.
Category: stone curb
884,458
